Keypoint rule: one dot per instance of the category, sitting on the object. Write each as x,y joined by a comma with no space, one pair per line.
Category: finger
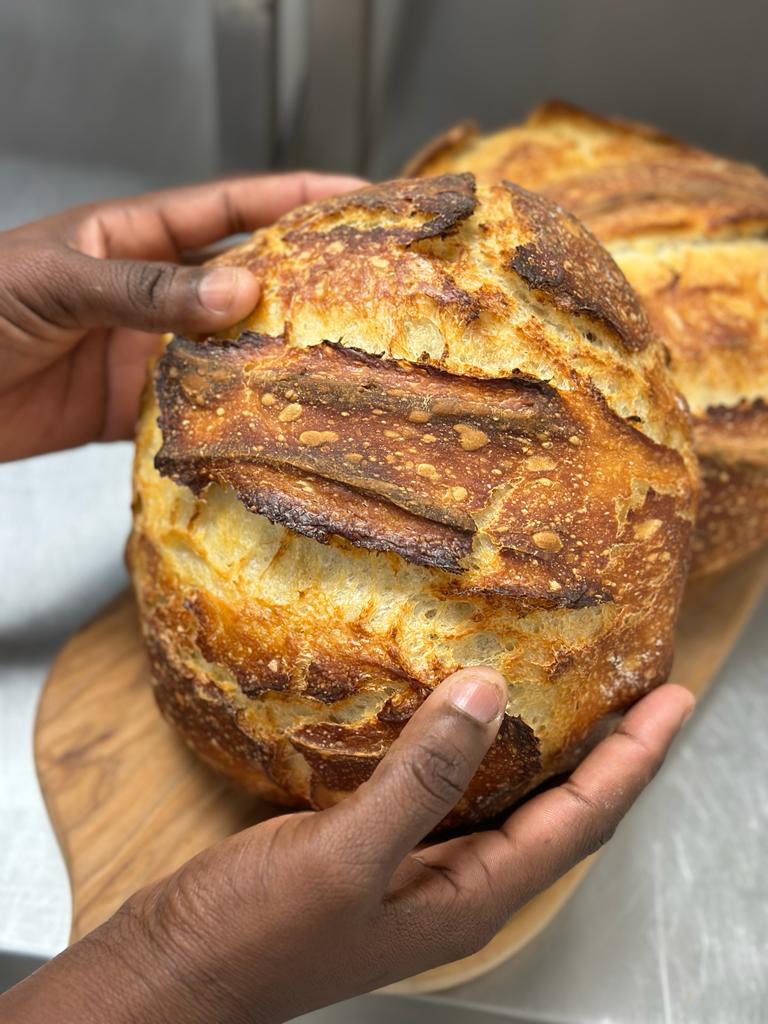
496,872
163,225
425,772
149,296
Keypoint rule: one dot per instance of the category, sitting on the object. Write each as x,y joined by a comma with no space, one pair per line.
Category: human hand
80,291
310,908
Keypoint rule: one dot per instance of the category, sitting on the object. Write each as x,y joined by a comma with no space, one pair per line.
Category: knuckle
150,285
302,181
647,759
598,823
138,912
168,912
597,838
469,933
24,264
189,898
487,890
641,747
481,932
583,802
478,910
441,773
331,866
654,769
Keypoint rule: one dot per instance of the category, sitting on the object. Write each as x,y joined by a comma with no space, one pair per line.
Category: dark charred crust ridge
569,267
329,441
417,209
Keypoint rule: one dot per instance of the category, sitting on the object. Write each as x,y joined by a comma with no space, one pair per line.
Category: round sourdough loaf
446,436
690,232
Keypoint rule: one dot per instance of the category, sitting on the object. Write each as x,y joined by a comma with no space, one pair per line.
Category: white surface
63,519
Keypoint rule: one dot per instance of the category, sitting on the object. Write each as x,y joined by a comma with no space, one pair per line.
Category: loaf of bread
690,232
446,436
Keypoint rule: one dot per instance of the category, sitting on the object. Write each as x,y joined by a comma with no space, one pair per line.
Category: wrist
137,968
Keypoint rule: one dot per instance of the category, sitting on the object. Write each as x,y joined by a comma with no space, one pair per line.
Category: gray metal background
100,98
174,89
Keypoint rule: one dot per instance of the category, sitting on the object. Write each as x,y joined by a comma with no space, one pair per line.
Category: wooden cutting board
129,803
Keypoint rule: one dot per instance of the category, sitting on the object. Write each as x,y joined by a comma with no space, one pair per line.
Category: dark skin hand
309,908
83,295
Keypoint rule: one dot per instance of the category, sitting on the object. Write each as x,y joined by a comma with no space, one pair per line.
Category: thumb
74,290
427,769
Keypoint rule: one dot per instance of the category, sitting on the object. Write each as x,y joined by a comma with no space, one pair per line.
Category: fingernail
218,288
478,699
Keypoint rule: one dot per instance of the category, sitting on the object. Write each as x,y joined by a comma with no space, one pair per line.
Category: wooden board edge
44,768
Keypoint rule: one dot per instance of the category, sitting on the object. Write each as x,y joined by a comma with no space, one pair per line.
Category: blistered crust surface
333,442
413,456
690,231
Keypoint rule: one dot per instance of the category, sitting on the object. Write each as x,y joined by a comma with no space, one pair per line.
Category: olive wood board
129,803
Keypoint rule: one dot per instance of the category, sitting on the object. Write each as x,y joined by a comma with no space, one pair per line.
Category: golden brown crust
700,198
523,499
557,141
729,432
733,521
709,303
690,231
188,699
556,113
